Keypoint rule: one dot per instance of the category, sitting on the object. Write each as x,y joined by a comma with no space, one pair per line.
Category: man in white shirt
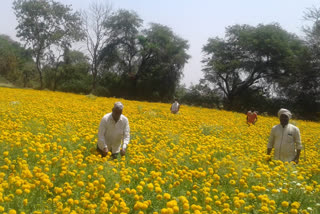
113,128
285,139
175,107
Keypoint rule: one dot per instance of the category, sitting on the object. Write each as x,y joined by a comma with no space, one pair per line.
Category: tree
122,48
95,34
249,55
44,23
306,90
145,64
16,62
163,56
75,76
121,54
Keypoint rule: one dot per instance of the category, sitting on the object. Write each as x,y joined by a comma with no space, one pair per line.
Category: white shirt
285,142
175,106
111,133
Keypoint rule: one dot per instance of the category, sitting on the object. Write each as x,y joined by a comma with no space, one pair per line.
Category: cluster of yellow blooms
198,161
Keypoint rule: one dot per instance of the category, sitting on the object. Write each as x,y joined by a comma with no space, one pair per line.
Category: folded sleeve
101,134
297,138
271,138
126,135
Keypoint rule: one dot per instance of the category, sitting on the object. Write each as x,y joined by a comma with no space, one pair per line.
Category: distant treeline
262,66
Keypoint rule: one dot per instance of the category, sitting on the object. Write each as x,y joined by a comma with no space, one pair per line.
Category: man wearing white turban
113,128
285,139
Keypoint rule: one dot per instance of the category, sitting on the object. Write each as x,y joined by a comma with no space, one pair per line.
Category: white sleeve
271,139
101,134
126,135
297,139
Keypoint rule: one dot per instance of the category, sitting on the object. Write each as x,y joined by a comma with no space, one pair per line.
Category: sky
194,20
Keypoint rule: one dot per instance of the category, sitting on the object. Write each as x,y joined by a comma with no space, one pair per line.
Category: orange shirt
251,116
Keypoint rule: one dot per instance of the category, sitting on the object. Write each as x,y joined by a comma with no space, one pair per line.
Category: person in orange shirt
252,117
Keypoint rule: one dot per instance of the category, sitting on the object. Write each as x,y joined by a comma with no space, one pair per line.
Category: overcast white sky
195,20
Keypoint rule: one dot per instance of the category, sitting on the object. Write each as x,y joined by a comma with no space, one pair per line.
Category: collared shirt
251,116
175,106
285,141
111,133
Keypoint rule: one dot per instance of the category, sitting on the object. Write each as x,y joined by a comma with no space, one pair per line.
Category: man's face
116,113
284,119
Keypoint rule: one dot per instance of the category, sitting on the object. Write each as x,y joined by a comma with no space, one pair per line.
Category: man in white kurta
285,139
175,107
113,130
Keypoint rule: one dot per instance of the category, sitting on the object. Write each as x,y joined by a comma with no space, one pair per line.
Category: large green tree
248,57
120,57
43,24
16,62
163,56
306,88
145,64
122,50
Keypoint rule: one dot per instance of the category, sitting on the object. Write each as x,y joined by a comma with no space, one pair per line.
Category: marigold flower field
198,161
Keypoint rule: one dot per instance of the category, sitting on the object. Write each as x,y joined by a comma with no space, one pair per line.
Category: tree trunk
39,71
55,81
94,79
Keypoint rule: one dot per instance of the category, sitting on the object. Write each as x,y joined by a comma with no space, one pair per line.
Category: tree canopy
250,56
44,23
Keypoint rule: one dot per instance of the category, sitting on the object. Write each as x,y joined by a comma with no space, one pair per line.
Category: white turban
285,112
118,105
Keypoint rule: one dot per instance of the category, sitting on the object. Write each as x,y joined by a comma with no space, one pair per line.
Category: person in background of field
175,107
285,139
113,128
252,116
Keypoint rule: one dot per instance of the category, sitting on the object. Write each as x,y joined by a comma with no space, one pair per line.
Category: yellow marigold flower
251,195
139,188
272,202
248,208
164,211
237,204
284,203
167,196
208,200
12,212
226,205
218,203
133,191
136,197
186,206
150,186
232,182
70,201
158,190
300,177
5,154
264,209
216,177
295,205
309,188
294,211
19,192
